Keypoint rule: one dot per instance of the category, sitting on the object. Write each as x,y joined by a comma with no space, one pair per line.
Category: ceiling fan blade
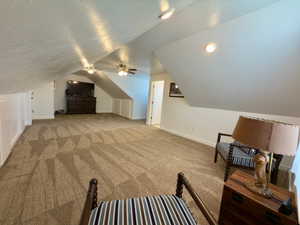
109,70
132,69
104,65
80,72
131,72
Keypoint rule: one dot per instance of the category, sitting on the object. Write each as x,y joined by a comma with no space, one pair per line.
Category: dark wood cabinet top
239,177
242,206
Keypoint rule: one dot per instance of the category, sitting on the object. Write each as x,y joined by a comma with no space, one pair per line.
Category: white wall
203,124
104,101
43,101
137,87
27,108
15,114
123,107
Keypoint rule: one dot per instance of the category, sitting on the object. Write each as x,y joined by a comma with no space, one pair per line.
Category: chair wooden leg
216,156
179,187
228,163
182,181
274,176
227,170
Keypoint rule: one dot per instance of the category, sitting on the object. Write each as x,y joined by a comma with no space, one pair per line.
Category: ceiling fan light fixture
122,73
166,14
90,69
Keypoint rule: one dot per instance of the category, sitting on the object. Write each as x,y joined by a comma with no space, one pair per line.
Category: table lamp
268,137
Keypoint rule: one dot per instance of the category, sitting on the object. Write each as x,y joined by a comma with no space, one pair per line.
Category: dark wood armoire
80,98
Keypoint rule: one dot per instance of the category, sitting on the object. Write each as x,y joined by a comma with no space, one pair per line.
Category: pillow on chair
240,156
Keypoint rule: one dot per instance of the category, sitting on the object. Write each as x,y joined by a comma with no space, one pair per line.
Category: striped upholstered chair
240,156
149,210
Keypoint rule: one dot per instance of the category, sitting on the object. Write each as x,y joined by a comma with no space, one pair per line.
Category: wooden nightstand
243,207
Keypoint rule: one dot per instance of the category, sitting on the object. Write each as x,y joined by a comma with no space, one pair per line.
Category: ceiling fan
90,68
121,69
124,70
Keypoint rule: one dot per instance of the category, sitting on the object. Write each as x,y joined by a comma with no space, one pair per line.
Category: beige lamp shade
267,135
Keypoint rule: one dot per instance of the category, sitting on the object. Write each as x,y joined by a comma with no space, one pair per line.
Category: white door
42,101
156,103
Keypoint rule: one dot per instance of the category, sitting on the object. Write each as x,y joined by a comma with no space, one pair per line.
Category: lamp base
260,190
260,186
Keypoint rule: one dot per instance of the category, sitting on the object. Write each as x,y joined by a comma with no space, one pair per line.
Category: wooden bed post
90,202
179,188
94,193
182,181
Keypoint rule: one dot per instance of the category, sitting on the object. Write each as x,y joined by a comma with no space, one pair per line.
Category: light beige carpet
45,179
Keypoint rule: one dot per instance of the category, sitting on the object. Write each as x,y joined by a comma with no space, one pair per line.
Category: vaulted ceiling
43,40
255,67
201,15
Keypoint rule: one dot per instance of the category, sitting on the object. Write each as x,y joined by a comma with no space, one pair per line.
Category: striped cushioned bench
150,210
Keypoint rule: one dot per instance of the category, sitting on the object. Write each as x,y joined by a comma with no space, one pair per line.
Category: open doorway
156,99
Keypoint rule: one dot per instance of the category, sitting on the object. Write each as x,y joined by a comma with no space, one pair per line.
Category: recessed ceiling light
75,82
166,14
211,47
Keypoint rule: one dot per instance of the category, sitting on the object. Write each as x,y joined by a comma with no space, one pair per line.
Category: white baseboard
1,161
28,122
121,116
36,116
138,118
103,111
11,146
15,139
190,137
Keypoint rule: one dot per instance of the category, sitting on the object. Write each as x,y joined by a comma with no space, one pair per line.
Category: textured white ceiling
254,69
200,15
41,40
